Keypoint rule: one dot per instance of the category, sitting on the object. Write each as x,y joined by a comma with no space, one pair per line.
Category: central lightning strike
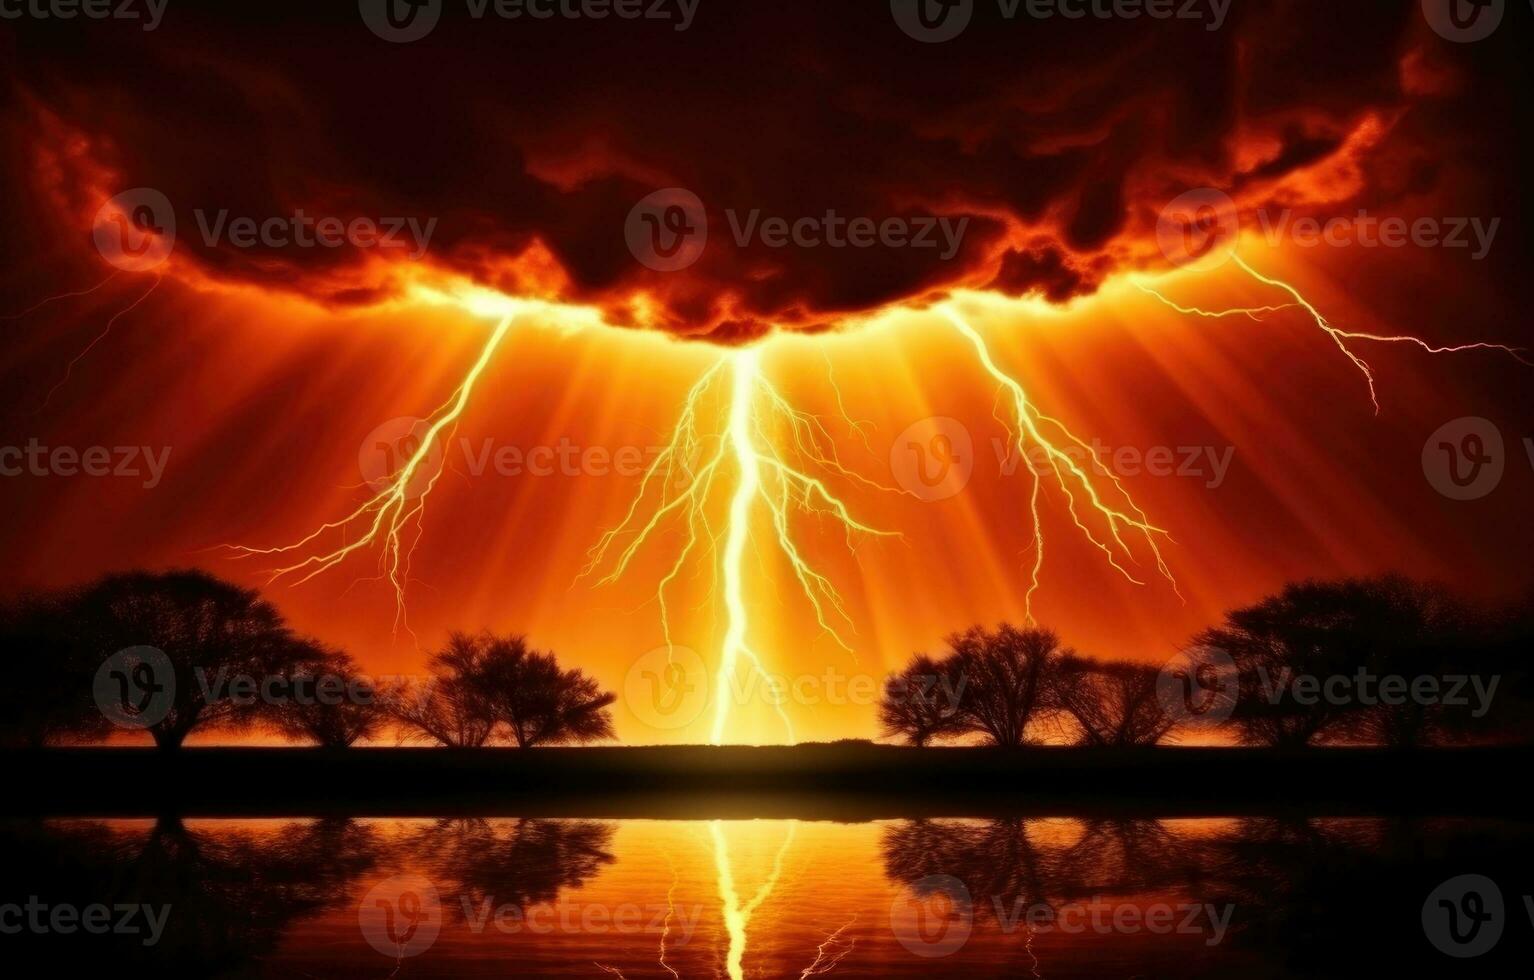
762,443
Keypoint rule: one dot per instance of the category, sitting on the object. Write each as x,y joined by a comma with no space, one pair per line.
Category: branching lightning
1338,336
1030,430
766,446
392,514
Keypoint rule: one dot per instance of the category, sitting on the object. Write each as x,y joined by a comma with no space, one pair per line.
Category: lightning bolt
1034,435
387,518
737,917
766,446
1338,336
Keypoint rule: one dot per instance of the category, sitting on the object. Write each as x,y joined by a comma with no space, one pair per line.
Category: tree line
223,658
1379,661
184,651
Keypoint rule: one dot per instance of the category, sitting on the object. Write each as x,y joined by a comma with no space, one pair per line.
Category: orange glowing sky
265,391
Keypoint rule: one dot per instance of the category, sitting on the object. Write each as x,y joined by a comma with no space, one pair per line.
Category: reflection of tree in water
513,862
1005,866
1343,897
997,861
231,893
1119,856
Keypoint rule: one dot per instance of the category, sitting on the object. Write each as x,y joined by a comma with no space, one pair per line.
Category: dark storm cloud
1053,142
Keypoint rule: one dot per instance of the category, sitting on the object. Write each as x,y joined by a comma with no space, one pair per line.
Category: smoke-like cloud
1049,145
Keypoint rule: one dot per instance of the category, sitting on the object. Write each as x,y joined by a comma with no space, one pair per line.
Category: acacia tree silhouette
921,702
212,632
1113,704
1385,626
1007,679
333,705
486,687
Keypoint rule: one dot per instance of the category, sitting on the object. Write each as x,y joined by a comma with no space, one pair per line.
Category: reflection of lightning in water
765,444
830,952
737,917
1028,434
386,517
665,934
1339,336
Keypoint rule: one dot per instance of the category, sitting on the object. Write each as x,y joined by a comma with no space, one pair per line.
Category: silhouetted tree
487,687
921,702
46,693
536,701
450,706
1112,704
1006,677
331,703
213,633
1386,626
